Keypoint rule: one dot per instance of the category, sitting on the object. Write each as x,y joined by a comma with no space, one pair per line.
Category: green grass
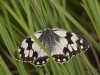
20,18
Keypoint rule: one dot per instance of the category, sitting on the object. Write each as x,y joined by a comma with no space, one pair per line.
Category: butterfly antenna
41,17
47,25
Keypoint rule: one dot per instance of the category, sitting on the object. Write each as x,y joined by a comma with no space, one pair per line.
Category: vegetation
20,18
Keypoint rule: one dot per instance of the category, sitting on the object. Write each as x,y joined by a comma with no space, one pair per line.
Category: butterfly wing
30,51
69,45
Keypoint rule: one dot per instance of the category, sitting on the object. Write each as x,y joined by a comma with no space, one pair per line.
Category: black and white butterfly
61,44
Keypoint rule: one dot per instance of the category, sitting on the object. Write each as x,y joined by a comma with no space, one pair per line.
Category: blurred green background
20,18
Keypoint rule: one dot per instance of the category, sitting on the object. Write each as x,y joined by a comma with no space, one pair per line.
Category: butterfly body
60,43
48,38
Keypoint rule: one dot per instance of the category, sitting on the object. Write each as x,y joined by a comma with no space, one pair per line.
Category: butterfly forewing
61,44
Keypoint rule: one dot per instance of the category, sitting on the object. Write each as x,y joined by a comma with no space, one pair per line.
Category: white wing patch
58,47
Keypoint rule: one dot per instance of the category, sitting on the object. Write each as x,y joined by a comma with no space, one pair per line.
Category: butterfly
61,44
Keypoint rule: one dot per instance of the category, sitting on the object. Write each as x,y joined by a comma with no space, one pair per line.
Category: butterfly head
46,28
